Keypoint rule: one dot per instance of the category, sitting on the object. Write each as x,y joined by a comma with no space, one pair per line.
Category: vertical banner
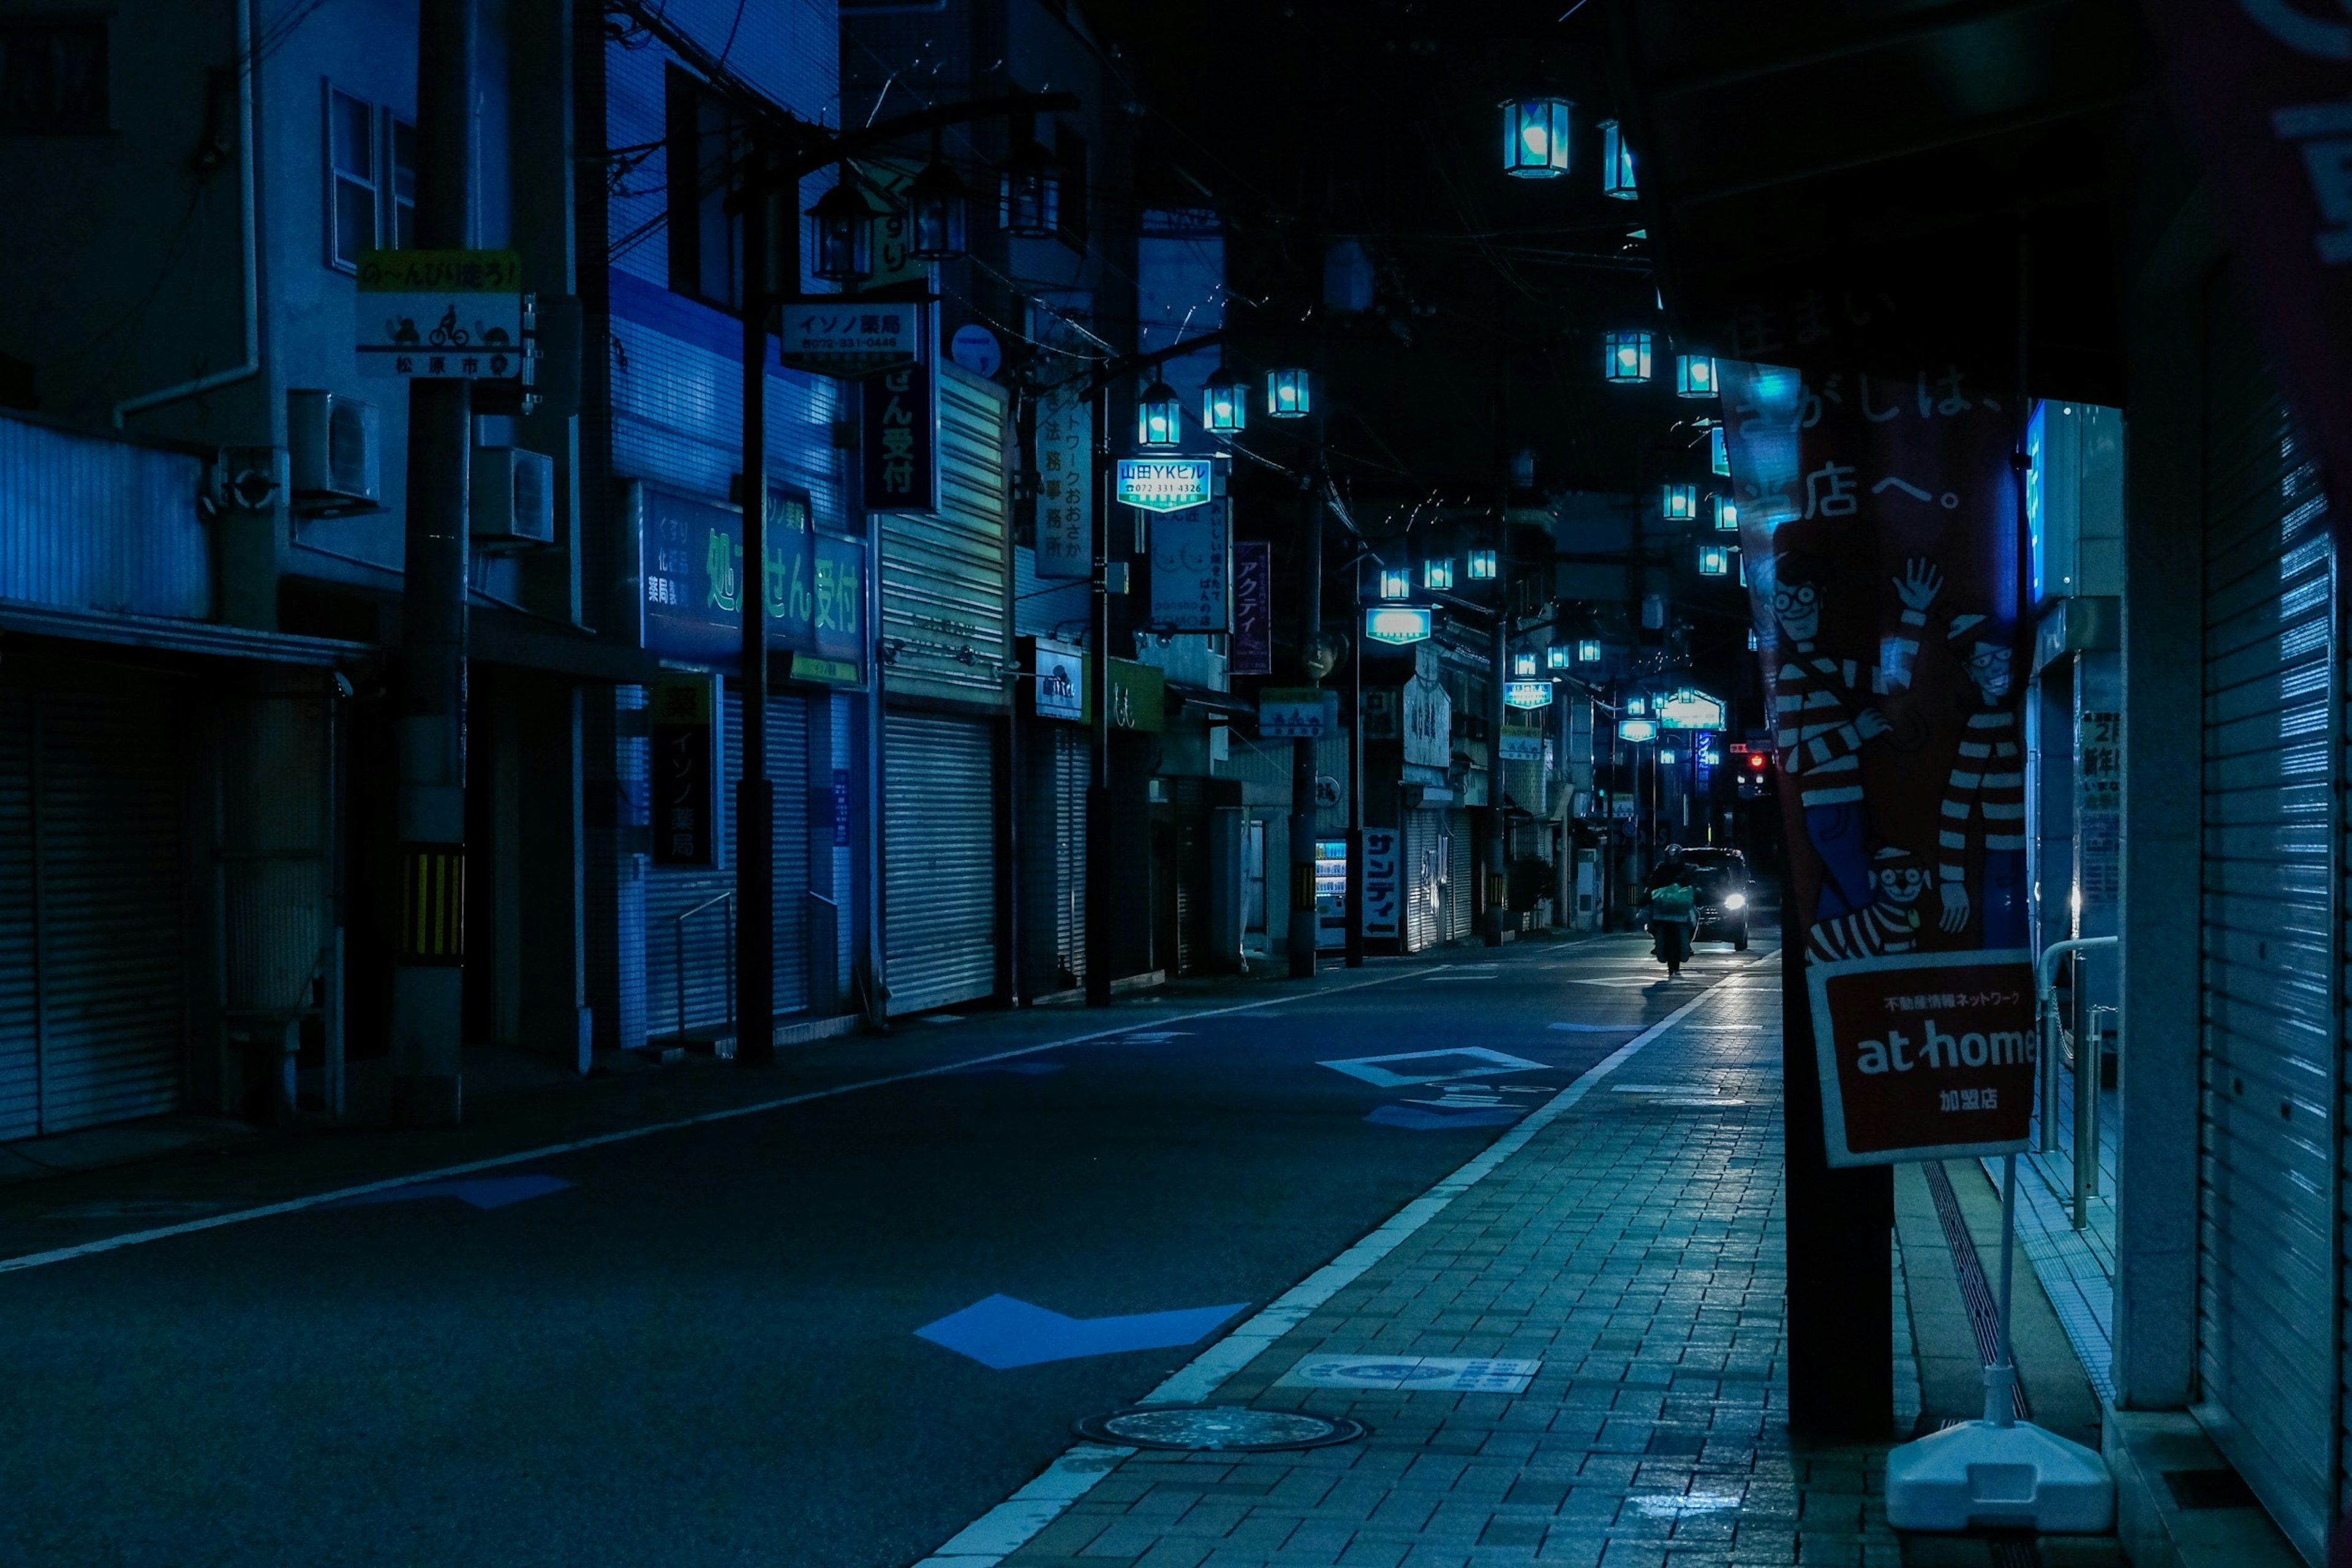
1251,649
2263,85
1880,523
1188,568
901,439
1065,487
686,770
1382,890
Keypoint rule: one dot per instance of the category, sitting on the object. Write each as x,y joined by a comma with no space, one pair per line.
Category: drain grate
1223,1429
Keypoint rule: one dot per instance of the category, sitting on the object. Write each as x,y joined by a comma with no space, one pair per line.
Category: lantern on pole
1626,356
1437,573
1714,560
1481,566
1535,137
938,212
1029,201
1396,583
1224,402
1695,376
1679,503
1556,656
1159,416
1288,395
1587,650
1616,164
845,232
1726,512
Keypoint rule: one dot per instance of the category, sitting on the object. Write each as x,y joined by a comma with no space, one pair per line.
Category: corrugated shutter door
1073,760
1420,904
686,962
2266,1301
939,815
1459,893
20,1087
111,900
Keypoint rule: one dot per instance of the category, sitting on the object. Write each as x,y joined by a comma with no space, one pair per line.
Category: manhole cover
1230,1428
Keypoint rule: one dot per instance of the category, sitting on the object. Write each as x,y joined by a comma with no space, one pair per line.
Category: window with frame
354,192
53,77
1070,153
706,144
400,144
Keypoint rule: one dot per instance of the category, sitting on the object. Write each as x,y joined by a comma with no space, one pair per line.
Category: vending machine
1331,892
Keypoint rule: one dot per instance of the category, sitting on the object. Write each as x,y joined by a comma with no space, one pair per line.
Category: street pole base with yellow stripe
428,985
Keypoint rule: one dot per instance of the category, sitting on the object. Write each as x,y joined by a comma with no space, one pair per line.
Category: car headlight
1735,901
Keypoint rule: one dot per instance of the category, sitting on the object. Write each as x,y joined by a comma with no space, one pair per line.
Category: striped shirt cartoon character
1984,799
1824,716
1891,923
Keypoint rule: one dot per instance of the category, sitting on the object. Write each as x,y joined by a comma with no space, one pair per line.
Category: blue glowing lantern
1719,450
1437,573
1535,137
1714,560
1679,503
1725,512
1523,664
1587,650
1396,583
938,214
1627,357
1556,656
1481,566
1159,416
1224,402
1288,395
845,232
1637,705
1616,164
1695,376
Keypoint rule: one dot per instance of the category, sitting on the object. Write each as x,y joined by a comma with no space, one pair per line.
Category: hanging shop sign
453,315
1523,738
1528,693
692,572
686,770
1888,606
975,348
1383,892
1379,714
1637,731
1688,709
1065,491
1298,713
1138,695
1164,484
843,335
1250,649
1428,724
901,441
1396,625
1190,578
1060,685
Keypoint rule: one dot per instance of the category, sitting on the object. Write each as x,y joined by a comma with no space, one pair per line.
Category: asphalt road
703,1349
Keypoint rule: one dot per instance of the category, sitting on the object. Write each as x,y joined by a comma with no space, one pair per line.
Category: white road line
548,1151
1007,1528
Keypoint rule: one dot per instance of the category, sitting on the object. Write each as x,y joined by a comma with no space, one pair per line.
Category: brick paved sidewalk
1633,1247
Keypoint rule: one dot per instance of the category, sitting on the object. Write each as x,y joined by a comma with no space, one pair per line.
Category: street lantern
1556,656
1481,566
1637,704
1616,164
1396,583
1695,376
1587,650
1720,450
1523,664
938,214
1725,514
1437,573
1029,201
1224,401
1680,503
1159,416
1627,356
1535,137
1288,395
1714,560
845,232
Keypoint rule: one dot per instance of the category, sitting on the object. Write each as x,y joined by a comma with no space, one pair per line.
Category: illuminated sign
1688,709
1528,693
1396,624
1637,729
1163,484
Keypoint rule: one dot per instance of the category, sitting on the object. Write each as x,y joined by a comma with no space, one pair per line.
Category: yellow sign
440,272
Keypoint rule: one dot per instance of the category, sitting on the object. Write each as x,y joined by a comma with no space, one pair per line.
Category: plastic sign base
1981,1476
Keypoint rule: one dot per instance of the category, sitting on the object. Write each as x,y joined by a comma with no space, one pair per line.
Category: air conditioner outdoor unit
511,500
332,453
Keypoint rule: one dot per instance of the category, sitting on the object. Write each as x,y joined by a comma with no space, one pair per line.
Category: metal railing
677,942
2090,1070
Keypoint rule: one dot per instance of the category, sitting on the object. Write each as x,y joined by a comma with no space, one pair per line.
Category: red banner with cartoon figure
1879,522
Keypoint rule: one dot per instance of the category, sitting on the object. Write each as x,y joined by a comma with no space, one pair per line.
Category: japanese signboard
1139,696
1688,709
2261,85
455,315
1880,518
1188,568
692,571
1428,724
686,770
1523,738
1066,500
1302,713
1250,649
901,467
1165,484
1383,892
2099,776
843,335
895,262
1528,693
1060,686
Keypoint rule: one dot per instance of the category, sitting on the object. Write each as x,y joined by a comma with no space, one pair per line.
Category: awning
206,638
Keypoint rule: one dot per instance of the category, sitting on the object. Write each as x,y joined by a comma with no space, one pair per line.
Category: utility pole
429,974
755,793
1099,836
1356,857
1303,923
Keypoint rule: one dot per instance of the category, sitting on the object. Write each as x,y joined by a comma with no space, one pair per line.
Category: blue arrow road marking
482,1192
1421,1120
1002,1333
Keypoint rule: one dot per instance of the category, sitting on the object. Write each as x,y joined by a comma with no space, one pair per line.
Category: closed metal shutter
1459,919
1073,770
689,933
2266,1297
939,816
92,1010
1424,889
